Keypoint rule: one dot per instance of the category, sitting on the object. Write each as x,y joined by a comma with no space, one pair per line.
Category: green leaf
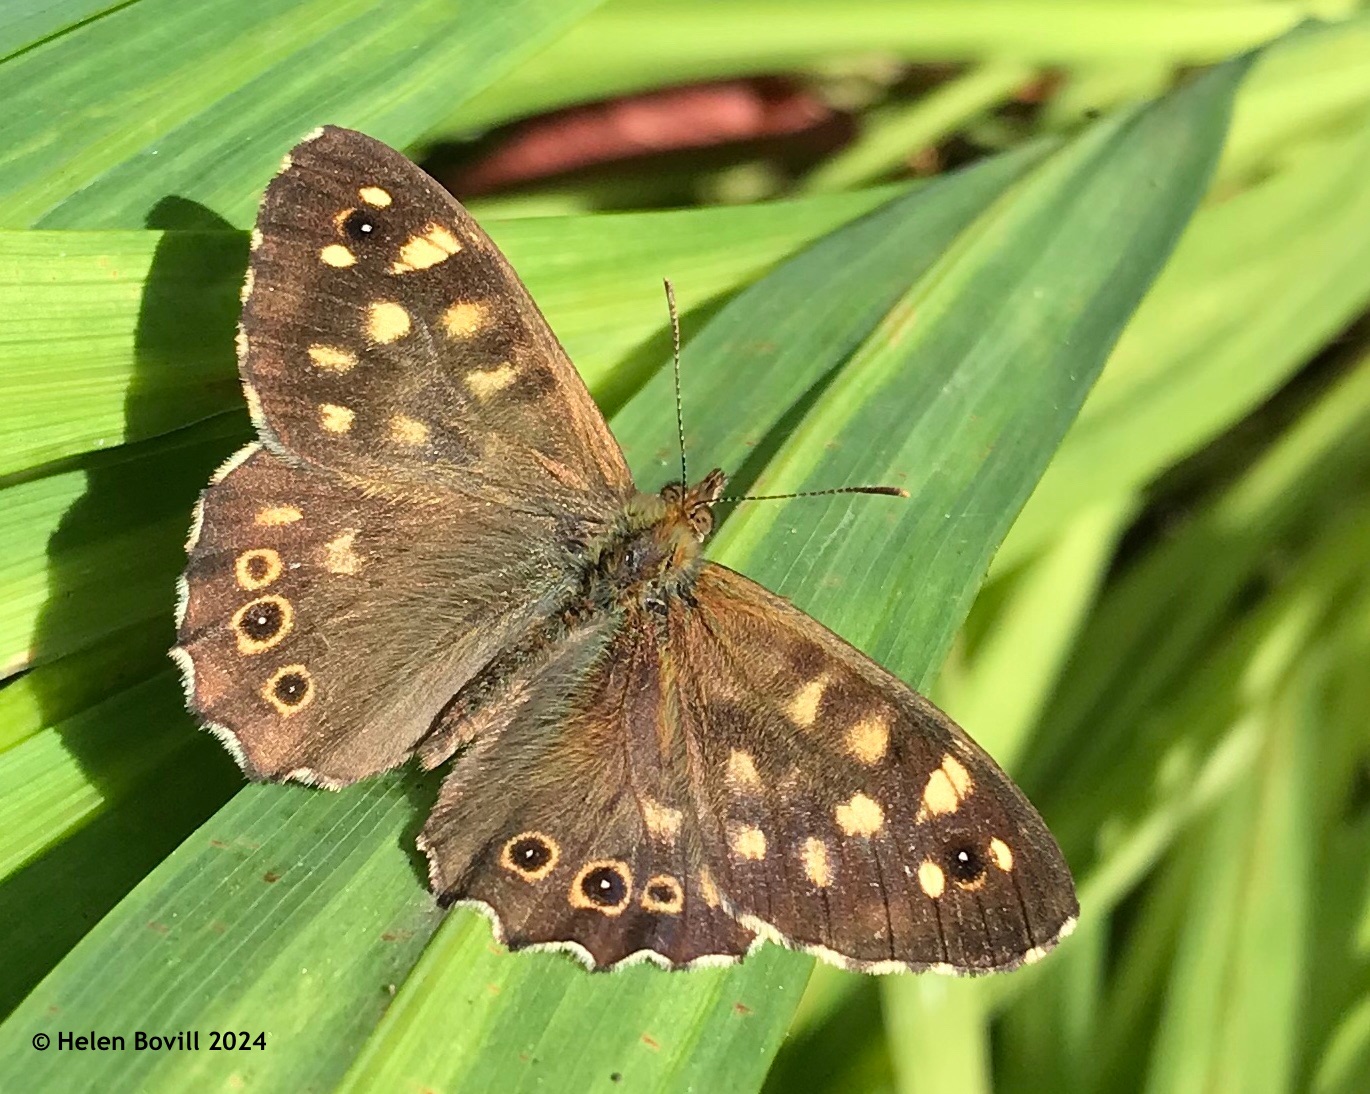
633,44
151,348
1260,281
205,98
959,370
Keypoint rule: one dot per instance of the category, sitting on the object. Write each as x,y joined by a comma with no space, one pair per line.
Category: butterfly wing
567,821
383,335
768,778
324,626
428,455
844,813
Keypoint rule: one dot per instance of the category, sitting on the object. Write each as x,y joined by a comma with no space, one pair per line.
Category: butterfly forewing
385,336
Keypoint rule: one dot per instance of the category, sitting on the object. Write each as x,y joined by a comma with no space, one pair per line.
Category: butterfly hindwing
326,625
571,822
384,335
849,815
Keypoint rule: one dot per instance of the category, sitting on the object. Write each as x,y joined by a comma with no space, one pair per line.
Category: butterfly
435,550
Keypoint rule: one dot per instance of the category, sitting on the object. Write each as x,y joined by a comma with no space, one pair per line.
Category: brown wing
842,812
383,335
324,626
568,820
769,778
430,453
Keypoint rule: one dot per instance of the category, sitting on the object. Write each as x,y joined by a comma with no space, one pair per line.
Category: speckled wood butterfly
436,550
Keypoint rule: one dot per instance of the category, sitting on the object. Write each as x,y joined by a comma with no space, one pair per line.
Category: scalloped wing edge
764,932
186,664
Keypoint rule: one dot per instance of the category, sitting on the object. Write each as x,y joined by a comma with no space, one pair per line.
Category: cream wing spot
487,382
1002,855
375,195
945,789
707,889
814,855
747,841
462,319
339,554
861,816
663,822
434,244
386,322
939,796
931,879
408,431
334,418
332,359
337,256
869,739
803,708
959,776
273,516
742,775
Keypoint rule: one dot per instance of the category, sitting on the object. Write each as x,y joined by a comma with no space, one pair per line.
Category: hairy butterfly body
436,550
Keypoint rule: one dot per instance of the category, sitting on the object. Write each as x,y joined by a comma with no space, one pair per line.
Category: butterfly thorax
653,551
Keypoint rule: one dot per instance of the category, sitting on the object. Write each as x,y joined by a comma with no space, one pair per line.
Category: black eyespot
361,225
965,863
292,688
258,566
530,854
662,894
262,620
604,886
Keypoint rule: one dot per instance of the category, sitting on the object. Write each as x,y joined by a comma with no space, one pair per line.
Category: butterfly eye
965,864
361,225
701,520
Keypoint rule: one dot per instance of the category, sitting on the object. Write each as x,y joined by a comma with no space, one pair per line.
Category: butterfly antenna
887,491
675,355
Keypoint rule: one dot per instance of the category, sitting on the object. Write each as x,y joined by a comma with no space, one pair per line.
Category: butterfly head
693,506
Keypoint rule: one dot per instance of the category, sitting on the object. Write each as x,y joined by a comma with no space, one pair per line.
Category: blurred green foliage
1169,650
